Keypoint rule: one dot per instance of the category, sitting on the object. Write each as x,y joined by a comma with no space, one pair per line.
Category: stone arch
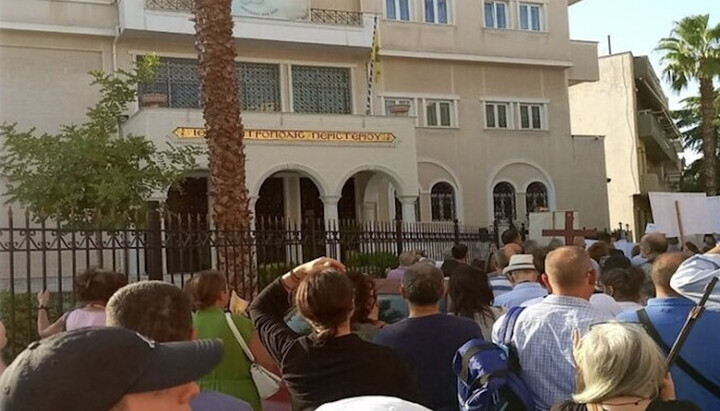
401,186
317,178
520,174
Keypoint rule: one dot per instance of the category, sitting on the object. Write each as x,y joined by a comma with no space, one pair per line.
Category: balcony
584,58
322,16
658,147
344,28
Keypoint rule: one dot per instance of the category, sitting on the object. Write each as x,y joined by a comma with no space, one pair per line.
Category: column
291,194
408,208
330,210
521,207
252,200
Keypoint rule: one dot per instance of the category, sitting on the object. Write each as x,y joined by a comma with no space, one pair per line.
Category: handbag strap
713,388
238,337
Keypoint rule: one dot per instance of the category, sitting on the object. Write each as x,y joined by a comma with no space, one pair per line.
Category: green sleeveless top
232,375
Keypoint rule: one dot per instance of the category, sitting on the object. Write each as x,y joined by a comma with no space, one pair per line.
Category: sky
637,26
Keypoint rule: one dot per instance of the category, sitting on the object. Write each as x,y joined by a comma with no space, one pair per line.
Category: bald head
569,270
663,269
652,245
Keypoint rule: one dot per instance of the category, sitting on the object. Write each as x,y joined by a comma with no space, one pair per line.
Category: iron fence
326,16
38,255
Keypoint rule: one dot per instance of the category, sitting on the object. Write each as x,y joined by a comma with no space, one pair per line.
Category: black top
317,373
656,405
448,266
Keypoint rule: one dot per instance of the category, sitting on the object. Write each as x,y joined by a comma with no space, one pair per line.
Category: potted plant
400,109
153,100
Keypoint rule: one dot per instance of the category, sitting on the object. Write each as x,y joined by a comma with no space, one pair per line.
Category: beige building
642,143
469,118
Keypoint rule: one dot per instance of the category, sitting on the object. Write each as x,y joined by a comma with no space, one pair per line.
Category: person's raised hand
317,264
43,298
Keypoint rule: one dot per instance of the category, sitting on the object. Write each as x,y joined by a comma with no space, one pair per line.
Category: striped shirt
543,337
499,284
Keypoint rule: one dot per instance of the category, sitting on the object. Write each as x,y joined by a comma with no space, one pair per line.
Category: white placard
693,212
714,213
272,9
549,220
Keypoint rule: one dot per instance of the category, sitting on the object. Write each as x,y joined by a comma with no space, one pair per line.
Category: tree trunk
224,133
707,109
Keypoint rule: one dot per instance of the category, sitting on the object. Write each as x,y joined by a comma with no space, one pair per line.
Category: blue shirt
428,345
668,315
217,401
543,337
521,293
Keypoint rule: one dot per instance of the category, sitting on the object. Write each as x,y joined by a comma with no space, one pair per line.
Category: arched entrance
289,220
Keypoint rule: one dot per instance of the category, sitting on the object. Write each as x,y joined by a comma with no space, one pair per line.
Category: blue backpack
488,374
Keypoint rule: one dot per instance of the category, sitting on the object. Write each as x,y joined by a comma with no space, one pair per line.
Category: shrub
375,264
268,272
23,330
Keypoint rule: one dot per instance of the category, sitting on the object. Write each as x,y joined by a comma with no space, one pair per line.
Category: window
496,14
536,197
531,116
397,10
177,79
439,113
442,200
395,106
321,90
259,87
504,202
531,17
497,115
436,11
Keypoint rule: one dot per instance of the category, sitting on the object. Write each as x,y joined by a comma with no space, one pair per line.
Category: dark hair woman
93,289
364,321
331,363
471,296
210,294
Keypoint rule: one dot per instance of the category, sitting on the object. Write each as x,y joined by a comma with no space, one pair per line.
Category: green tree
692,52
90,174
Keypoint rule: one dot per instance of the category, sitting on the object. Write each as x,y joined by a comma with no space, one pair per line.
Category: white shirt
630,305
372,403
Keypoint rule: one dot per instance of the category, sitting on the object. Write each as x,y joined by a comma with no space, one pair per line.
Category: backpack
488,374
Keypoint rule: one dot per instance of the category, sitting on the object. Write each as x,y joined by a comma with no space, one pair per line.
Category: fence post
311,220
456,231
399,235
523,233
496,233
154,242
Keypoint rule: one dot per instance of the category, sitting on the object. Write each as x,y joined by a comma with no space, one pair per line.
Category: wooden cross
569,233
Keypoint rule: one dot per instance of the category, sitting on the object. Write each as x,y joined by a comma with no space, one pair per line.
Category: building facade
628,106
468,117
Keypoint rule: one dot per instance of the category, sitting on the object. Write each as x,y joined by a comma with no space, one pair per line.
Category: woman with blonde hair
620,368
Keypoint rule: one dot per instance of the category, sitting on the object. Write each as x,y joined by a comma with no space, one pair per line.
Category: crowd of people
590,330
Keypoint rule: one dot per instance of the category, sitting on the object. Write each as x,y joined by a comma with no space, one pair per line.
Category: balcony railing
325,16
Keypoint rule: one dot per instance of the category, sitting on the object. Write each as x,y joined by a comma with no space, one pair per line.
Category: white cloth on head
372,403
694,274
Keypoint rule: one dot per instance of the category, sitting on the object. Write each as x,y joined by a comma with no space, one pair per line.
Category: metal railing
38,255
325,16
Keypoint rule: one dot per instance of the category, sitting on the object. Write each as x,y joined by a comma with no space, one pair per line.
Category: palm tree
688,119
693,53
224,133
